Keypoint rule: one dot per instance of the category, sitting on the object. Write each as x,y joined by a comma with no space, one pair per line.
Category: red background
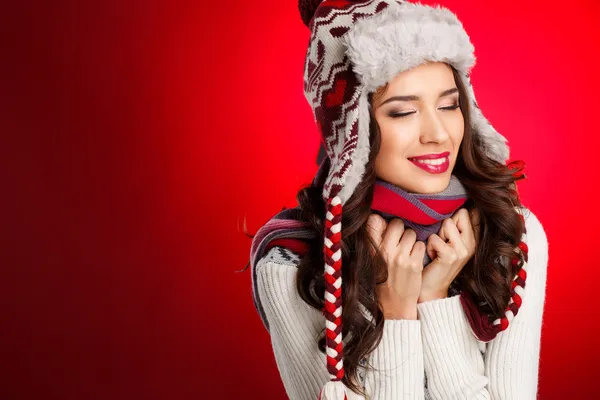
135,135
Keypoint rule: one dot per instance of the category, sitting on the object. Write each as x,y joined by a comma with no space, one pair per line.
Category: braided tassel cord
334,389
480,325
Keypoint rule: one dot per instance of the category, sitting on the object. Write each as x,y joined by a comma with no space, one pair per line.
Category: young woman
410,269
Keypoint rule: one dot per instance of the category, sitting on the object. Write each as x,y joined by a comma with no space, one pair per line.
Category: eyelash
450,108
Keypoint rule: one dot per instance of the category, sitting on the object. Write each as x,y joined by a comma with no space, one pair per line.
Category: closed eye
400,115
452,107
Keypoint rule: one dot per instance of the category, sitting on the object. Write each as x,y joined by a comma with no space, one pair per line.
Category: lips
436,168
431,156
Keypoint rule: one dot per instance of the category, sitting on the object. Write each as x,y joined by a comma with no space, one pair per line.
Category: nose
432,128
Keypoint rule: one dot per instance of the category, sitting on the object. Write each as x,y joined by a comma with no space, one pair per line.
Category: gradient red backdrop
135,135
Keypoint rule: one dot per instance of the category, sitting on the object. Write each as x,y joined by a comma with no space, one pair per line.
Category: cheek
395,140
392,152
457,130
457,136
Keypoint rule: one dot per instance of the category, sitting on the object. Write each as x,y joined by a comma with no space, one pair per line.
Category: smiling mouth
430,156
433,166
431,161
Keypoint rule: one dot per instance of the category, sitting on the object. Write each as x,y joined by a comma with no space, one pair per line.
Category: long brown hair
491,188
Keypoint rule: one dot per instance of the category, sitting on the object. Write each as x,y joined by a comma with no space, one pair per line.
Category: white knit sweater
435,356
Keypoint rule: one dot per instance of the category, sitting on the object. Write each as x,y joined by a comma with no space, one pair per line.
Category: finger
418,249
393,233
409,237
439,248
451,231
457,241
441,233
455,216
431,252
462,220
447,224
466,227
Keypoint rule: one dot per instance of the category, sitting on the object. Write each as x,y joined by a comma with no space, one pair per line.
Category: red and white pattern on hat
332,89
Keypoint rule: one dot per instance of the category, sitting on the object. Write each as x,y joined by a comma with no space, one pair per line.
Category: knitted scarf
423,213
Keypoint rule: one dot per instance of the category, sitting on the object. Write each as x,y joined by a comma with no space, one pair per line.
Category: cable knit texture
433,357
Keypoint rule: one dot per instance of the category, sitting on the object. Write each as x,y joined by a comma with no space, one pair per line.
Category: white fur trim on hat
401,37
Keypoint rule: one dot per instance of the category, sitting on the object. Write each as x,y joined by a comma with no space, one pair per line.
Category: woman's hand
450,252
403,255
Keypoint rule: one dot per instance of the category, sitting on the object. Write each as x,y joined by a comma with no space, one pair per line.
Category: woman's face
432,126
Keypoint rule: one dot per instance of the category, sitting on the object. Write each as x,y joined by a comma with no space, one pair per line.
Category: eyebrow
415,98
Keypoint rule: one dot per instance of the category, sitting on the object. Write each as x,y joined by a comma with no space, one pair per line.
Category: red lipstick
432,168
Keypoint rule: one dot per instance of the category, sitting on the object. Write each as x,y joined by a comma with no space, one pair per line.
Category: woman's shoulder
279,255
537,255
276,294
536,268
535,232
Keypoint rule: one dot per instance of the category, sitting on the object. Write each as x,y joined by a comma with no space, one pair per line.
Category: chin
435,184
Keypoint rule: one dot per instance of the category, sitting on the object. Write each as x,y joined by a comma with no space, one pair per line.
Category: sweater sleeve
294,327
453,362
458,366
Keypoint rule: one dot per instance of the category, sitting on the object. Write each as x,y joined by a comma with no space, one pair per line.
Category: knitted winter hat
356,46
